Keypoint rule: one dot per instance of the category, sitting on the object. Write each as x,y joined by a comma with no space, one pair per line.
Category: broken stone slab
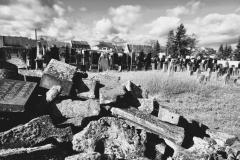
151,124
85,156
75,110
110,136
52,93
135,90
6,153
222,139
45,152
14,95
58,73
36,131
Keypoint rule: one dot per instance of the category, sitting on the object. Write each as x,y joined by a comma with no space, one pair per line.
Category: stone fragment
167,116
14,95
151,124
52,93
135,90
85,156
89,89
147,105
45,152
222,139
201,147
36,131
110,136
58,73
6,153
76,110
110,95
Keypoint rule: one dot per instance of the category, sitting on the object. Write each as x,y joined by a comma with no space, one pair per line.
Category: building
104,47
81,45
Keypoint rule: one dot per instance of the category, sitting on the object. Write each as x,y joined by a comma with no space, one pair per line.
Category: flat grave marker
15,94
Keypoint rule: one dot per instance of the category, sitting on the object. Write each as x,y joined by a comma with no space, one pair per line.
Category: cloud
125,16
105,26
190,8
23,16
83,9
237,10
70,9
216,28
162,25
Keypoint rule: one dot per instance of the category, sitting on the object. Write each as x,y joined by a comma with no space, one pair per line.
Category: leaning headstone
34,132
14,95
58,73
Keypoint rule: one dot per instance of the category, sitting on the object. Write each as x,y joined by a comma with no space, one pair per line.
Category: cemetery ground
214,103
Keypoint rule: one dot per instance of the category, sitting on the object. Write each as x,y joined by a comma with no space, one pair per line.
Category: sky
214,22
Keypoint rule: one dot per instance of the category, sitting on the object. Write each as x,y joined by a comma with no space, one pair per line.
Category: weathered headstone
58,73
15,94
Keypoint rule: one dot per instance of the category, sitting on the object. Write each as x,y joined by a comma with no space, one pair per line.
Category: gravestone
58,73
15,94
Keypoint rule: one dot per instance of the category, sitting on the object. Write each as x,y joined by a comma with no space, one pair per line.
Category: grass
214,103
157,82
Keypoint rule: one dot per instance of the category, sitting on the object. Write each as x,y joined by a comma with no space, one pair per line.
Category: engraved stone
15,94
58,73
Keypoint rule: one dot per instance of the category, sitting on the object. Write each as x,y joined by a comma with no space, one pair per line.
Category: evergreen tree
157,48
181,41
171,47
237,51
220,52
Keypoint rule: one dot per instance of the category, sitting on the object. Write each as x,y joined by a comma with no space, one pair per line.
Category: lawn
214,103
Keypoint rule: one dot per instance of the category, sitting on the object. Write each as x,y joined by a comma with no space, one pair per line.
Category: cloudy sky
137,21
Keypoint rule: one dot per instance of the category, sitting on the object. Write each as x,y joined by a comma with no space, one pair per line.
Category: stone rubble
104,119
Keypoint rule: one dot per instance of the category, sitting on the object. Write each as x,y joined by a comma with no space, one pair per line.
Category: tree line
180,44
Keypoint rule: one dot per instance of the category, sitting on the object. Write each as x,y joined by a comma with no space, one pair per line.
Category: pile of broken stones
104,119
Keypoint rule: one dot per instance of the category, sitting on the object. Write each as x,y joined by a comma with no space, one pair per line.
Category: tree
180,40
220,53
171,47
156,48
237,51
